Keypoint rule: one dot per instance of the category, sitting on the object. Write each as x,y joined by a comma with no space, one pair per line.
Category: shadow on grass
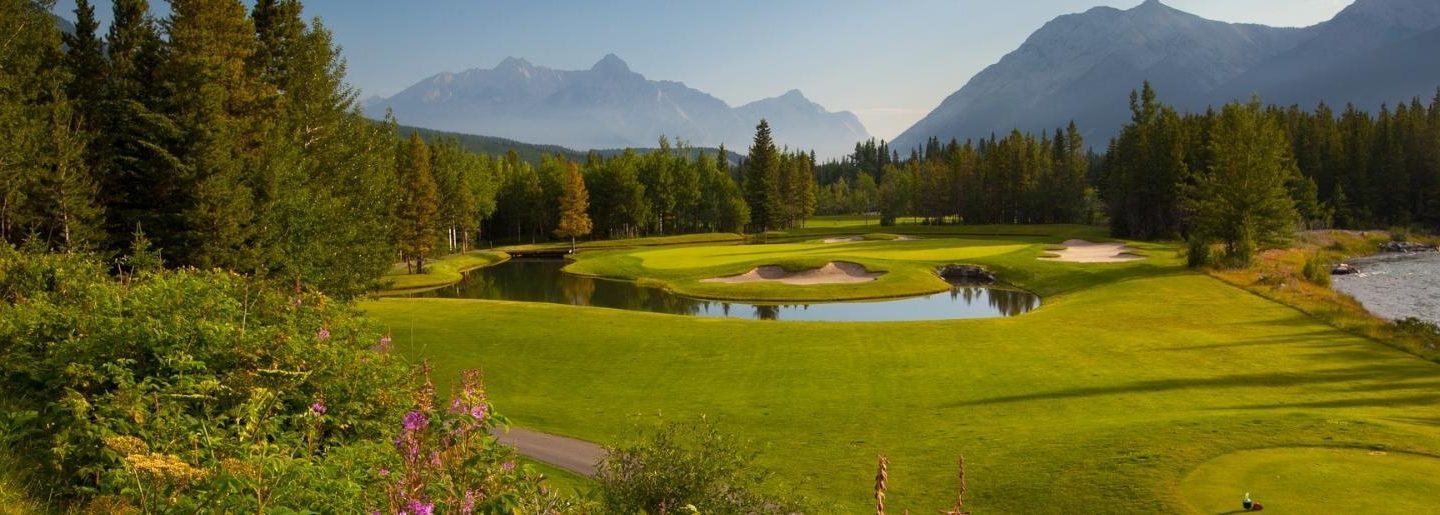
1277,379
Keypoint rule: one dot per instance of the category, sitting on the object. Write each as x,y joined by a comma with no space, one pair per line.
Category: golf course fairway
1117,396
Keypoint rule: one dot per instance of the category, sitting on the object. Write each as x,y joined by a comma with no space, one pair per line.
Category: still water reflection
541,280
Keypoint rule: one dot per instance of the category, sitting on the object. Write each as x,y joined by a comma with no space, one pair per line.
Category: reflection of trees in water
578,290
1005,302
543,281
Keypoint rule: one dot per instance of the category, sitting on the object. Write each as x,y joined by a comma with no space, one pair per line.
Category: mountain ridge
1082,66
609,105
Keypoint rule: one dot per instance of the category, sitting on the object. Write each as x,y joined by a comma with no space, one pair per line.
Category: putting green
1316,480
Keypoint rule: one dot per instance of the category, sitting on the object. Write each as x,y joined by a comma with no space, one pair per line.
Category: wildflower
435,459
384,472
318,407
415,421
468,505
324,334
508,466
383,345
420,508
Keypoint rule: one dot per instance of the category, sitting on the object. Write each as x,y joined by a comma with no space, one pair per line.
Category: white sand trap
831,273
907,238
1081,251
846,239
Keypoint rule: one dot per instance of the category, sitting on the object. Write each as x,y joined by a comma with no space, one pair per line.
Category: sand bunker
831,273
1081,251
846,239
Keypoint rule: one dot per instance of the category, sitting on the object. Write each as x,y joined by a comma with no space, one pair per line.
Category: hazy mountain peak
512,63
1081,66
611,63
609,106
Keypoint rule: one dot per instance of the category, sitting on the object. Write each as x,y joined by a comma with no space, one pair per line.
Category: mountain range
609,106
1081,67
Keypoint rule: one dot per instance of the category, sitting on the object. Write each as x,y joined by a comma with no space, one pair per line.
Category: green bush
686,467
190,391
1197,253
1316,270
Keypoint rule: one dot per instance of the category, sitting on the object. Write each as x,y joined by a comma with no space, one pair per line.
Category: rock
1405,246
966,274
1344,269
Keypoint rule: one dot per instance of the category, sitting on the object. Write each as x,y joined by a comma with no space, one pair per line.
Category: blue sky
890,62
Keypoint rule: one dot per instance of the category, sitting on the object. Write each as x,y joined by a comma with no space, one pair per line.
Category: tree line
1248,175
1021,178
227,136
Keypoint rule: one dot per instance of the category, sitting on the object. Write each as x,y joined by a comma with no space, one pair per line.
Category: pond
542,280
1396,286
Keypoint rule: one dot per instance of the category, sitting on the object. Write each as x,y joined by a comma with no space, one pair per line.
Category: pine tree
574,221
1241,200
415,214
762,191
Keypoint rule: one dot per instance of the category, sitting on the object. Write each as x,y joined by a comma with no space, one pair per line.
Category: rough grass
438,273
1278,275
1102,401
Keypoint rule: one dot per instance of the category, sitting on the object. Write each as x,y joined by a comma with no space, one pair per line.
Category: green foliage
1316,270
182,390
415,213
1241,199
1198,253
679,467
186,391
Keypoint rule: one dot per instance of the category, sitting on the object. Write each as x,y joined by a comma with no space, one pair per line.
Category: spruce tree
1242,200
761,172
574,201
415,214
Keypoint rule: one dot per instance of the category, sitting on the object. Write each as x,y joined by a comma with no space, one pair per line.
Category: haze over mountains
1082,66
609,106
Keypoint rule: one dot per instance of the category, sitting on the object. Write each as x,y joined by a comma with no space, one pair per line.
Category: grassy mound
1316,480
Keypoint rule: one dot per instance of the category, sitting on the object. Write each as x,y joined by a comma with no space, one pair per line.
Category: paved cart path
577,456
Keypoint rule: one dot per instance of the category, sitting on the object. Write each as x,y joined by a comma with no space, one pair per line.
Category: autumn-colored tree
574,201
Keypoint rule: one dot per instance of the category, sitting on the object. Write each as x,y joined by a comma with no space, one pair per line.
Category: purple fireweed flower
508,466
324,334
383,345
384,472
420,508
415,421
468,505
479,410
435,460
318,408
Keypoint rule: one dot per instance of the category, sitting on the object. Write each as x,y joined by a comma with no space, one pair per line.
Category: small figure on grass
1251,505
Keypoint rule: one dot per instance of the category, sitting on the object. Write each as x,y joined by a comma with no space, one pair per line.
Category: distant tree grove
1248,175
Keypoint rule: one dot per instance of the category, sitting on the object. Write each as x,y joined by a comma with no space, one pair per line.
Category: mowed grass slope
1129,377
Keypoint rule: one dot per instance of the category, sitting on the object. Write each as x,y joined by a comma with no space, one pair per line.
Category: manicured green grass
1128,378
438,273
1286,480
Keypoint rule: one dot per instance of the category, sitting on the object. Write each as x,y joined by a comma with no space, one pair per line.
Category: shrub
1197,253
1316,270
679,467
191,391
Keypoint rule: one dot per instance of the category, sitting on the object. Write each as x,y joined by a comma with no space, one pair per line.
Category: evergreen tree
762,171
415,214
1241,200
574,221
